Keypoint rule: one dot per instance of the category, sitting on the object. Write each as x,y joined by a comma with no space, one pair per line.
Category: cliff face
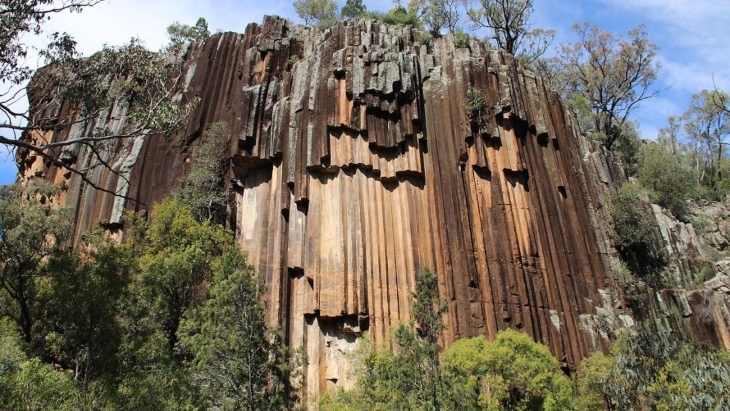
356,164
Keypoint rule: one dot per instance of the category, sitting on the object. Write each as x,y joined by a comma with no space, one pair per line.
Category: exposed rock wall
356,164
689,304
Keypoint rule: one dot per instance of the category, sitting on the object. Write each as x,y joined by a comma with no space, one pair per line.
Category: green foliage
513,372
157,386
476,107
425,38
669,182
121,74
316,11
632,231
179,259
699,135
398,15
353,9
234,359
31,229
701,224
106,318
590,380
656,370
127,79
461,40
182,33
204,188
428,317
633,234
27,383
611,75
476,101
80,329
438,14
21,18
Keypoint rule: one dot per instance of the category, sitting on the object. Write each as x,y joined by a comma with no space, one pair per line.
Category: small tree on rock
353,9
509,23
316,11
182,33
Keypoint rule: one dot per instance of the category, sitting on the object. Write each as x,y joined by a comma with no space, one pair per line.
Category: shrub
512,372
633,233
398,15
653,369
631,228
476,103
461,39
670,183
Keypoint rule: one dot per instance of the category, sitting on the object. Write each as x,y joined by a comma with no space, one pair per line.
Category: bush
476,103
398,15
461,39
632,229
512,372
633,233
653,369
670,183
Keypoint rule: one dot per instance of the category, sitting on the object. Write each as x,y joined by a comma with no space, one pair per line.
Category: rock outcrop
696,300
356,163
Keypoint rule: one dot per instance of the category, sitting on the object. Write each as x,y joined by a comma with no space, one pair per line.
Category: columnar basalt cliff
356,163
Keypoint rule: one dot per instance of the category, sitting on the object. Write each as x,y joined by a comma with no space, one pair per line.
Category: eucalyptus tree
125,81
508,22
606,77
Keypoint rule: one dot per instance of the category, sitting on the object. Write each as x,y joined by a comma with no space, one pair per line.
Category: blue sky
694,37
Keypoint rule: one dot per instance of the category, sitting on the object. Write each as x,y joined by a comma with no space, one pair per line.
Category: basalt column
359,157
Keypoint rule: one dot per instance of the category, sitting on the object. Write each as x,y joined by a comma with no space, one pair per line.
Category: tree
204,188
234,358
177,263
656,369
669,181
97,89
182,33
509,23
410,377
513,373
706,126
633,234
315,11
422,348
609,76
18,18
31,229
80,326
353,9
442,14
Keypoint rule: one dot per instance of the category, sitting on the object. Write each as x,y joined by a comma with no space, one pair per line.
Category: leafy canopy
316,11
179,33
126,79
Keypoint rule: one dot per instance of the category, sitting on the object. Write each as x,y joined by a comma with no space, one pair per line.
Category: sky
693,36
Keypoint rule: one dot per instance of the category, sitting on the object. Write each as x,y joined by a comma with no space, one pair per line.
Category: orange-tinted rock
355,165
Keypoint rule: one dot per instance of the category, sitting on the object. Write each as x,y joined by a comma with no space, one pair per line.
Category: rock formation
361,155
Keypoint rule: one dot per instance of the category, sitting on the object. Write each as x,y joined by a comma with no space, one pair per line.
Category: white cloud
693,34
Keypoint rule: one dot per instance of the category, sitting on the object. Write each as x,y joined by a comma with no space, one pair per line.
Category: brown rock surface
355,165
